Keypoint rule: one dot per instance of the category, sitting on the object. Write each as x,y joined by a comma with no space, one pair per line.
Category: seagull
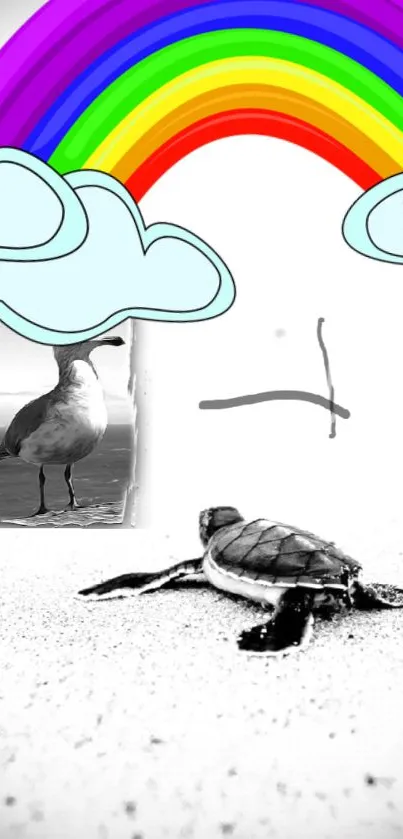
64,425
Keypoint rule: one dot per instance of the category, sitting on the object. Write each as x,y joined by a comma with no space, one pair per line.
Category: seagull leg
73,505
42,507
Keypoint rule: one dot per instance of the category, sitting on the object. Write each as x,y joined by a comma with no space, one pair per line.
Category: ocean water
99,479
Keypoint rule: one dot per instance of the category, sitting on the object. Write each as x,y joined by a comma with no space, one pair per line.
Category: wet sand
137,718
100,482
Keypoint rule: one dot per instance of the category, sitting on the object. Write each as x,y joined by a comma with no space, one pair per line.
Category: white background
274,213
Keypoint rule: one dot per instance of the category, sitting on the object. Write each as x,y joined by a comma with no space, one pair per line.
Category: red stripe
249,121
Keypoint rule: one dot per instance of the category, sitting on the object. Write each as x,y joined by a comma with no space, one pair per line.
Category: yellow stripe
224,74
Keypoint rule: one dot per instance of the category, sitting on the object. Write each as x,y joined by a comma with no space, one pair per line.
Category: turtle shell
279,554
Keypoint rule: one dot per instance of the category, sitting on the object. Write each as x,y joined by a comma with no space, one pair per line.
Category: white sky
13,13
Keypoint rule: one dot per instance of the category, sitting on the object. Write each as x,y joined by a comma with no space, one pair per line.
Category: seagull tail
3,452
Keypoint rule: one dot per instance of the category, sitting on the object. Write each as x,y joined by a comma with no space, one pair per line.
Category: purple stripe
33,40
64,46
51,24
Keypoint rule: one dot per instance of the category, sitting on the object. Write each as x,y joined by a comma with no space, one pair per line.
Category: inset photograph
67,431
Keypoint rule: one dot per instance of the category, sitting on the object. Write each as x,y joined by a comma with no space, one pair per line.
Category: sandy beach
137,718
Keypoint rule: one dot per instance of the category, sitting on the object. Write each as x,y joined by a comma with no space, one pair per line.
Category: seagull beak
112,341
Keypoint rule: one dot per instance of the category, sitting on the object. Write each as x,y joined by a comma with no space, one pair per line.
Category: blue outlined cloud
373,225
76,258
40,214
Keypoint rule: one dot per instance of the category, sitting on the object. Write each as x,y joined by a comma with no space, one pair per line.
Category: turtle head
213,519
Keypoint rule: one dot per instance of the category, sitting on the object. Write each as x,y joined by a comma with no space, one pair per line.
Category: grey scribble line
272,396
328,378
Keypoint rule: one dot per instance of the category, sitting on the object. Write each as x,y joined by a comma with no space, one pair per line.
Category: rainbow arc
131,88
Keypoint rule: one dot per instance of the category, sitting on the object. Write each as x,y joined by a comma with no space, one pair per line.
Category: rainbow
132,86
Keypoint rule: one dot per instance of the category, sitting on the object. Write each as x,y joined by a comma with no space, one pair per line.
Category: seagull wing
28,419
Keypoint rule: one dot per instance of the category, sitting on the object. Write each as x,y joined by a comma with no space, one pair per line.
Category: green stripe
147,76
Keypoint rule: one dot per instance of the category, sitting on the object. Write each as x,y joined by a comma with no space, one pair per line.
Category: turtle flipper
377,596
143,582
135,581
288,628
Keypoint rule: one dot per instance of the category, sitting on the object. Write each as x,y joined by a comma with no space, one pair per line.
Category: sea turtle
275,564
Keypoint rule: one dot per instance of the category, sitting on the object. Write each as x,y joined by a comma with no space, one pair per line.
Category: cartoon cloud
373,225
76,257
40,214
